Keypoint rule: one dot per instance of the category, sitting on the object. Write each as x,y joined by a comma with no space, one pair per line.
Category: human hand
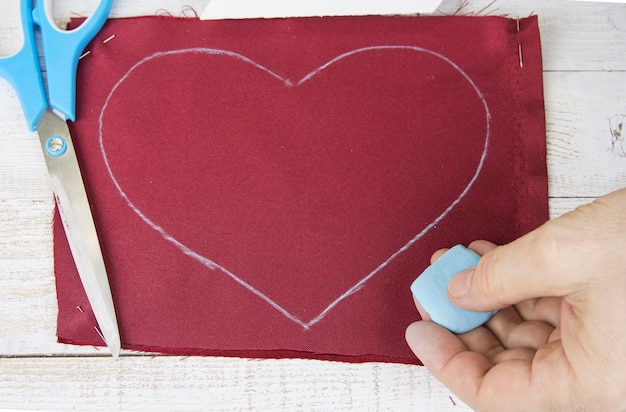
559,339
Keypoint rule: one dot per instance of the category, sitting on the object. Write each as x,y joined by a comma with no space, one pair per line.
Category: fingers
482,340
527,325
437,255
535,265
445,355
506,332
479,246
517,379
423,314
559,290
502,384
547,310
512,331
482,246
573,253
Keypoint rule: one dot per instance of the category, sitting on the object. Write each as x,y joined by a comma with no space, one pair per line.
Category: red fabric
271,188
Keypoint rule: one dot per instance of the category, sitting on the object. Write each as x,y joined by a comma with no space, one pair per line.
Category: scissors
47,115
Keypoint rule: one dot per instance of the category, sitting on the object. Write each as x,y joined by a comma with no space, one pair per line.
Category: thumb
536,265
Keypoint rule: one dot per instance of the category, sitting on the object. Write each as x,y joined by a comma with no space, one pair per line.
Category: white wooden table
584,49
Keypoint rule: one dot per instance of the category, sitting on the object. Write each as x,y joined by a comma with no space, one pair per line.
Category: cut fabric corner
271,188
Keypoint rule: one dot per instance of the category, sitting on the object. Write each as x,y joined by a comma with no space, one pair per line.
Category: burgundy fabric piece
271,188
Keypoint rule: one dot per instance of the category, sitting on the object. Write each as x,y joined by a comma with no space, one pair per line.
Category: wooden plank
23,173
197,383
582,112
560,206
27,293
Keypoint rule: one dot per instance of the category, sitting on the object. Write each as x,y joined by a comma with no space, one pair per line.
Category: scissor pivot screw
56,146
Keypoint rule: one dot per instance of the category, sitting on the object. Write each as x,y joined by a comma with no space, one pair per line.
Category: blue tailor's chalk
430,290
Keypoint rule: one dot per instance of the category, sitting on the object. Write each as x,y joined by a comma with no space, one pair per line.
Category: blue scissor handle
62,50
22,70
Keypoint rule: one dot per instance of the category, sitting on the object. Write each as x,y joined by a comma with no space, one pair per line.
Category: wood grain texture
576,36
582,159
174,383
585,93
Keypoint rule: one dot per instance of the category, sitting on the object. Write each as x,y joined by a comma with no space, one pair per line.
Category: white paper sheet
240,9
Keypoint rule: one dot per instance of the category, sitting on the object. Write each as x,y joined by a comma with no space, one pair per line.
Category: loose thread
163,12
485,10
80,309
463,5
188,12
452,400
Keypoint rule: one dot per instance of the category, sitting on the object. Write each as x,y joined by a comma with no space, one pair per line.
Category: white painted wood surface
584,48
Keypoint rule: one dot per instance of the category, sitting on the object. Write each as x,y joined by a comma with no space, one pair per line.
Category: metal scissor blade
73,207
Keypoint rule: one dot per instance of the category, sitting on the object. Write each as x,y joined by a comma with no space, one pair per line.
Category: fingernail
460,284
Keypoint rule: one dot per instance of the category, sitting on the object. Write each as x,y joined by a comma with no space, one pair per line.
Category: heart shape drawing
295,183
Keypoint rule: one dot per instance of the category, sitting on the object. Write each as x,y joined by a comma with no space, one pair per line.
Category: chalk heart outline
213,265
